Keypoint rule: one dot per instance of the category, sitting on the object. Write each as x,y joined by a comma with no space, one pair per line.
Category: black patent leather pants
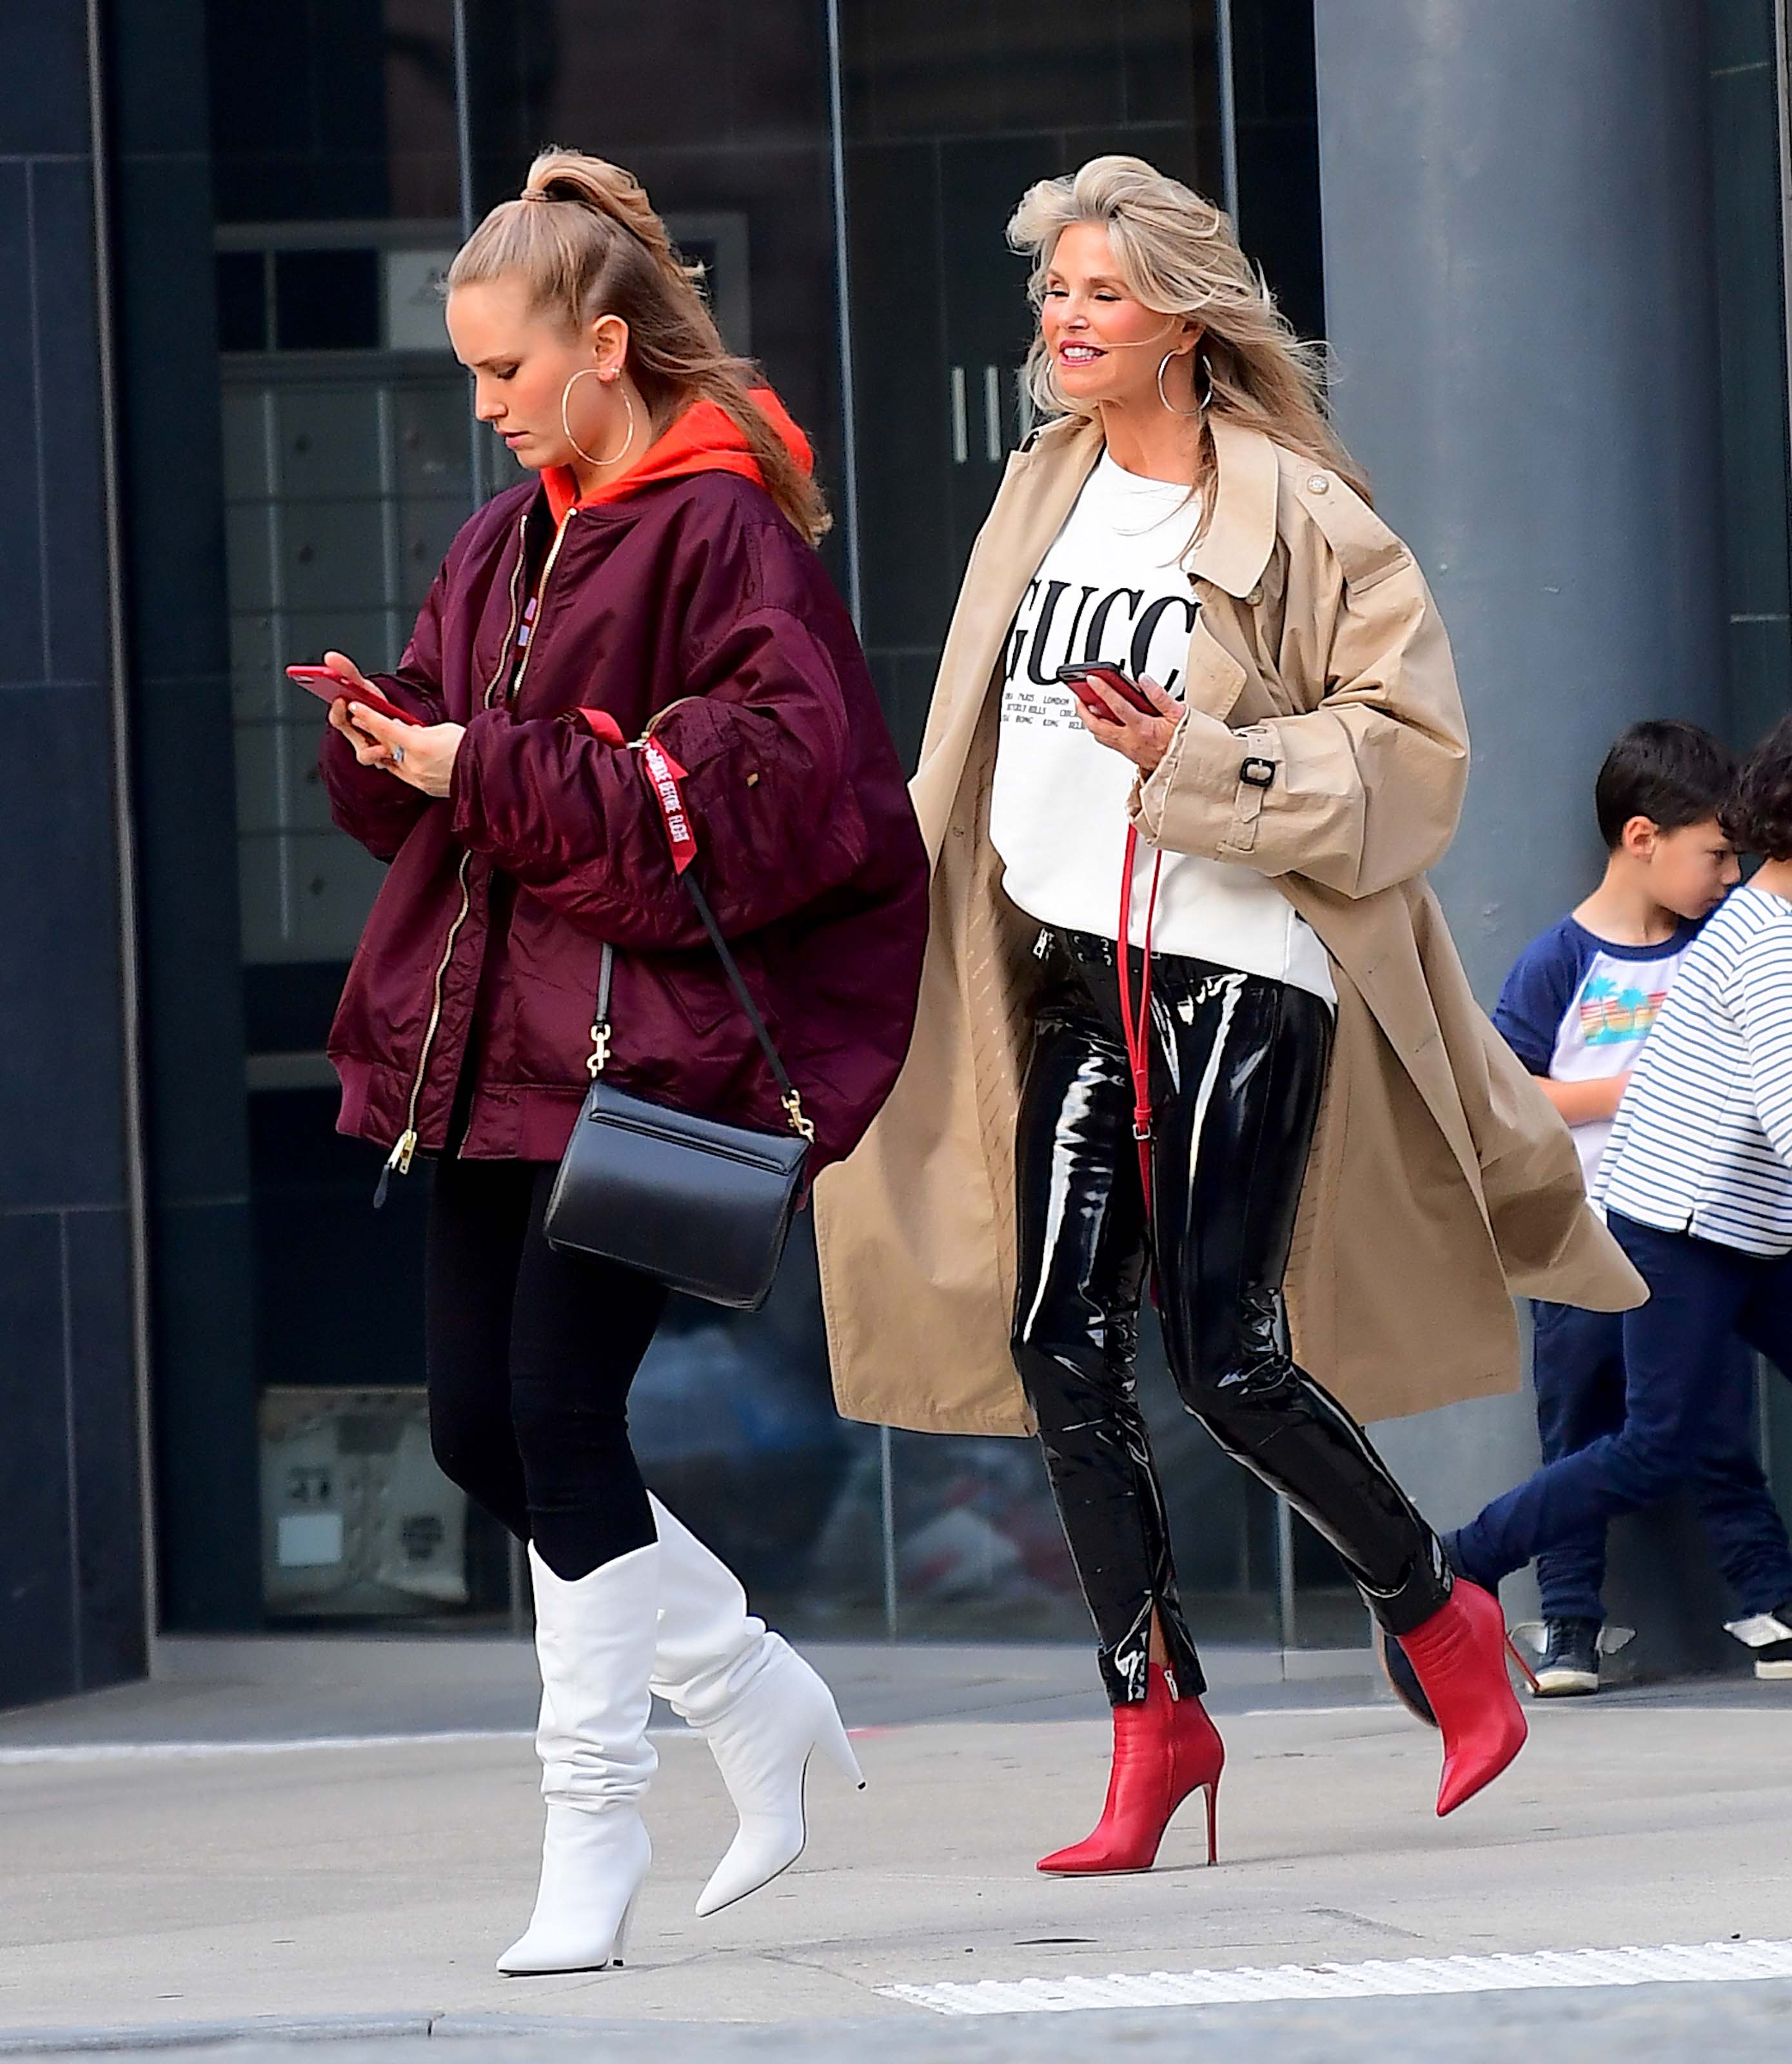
1238,1064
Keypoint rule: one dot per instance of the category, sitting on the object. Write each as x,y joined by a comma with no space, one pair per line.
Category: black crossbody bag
703,1207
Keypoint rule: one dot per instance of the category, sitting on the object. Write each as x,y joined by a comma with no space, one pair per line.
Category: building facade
1546,245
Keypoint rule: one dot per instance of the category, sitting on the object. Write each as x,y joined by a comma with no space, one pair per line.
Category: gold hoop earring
568,428
1202,405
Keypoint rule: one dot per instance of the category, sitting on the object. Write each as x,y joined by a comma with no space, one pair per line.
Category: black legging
529,1356
1237,1065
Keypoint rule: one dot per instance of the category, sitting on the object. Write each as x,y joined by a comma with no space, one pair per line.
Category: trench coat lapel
1038,493
1040,490
1231,555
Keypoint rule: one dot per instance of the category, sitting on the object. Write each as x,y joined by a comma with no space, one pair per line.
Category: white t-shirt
1576,1009
1112,588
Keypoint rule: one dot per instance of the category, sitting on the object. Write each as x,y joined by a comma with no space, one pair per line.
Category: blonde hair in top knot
586,241
1179,254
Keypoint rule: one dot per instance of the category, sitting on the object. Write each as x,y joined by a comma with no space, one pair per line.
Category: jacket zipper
661,715
515,687
399,1158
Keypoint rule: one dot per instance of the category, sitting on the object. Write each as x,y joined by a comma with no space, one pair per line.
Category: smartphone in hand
328,685
1076,678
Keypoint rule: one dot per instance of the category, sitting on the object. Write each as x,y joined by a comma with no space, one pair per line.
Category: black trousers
1237,1065
529,1357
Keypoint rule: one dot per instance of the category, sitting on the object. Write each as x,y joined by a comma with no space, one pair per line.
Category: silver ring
398,755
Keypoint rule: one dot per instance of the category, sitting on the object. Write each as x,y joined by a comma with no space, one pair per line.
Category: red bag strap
664,774
1136,1025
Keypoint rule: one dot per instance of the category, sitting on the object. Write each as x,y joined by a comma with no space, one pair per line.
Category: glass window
348,467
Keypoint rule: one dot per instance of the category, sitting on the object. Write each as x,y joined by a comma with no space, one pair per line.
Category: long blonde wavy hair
584,235
1178,253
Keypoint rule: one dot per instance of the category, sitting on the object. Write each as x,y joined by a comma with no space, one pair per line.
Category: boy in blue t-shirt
1576,1009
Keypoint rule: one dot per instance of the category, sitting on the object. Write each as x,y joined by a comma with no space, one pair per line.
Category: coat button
1254,597
1317,483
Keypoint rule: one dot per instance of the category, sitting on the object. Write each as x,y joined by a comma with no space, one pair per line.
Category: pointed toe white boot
594,1637
762,1745
763,1711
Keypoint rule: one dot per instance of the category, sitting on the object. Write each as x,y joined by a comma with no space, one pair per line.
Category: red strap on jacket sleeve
601,725
664,774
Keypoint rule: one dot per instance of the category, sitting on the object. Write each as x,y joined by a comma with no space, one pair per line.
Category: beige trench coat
1441,1180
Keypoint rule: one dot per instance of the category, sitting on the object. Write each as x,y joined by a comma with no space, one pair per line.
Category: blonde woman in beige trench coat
1314,741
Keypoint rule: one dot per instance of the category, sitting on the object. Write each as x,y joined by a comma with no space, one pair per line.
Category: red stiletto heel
1524,1669
1165,1749
1458,1656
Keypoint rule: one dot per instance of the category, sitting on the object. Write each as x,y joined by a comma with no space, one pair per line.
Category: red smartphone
329,686
1076,678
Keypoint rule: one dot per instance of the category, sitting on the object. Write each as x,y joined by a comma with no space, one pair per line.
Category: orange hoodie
704,439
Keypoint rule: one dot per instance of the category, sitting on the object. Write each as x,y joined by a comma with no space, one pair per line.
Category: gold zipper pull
399,1158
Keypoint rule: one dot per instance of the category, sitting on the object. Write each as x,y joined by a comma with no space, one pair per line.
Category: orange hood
704,439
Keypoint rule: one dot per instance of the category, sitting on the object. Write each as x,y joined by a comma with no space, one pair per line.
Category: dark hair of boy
1758,815
1668,770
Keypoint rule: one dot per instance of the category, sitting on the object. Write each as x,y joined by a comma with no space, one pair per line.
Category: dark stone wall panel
43,79
186,776
74,532
202,1349
108,1519
21,648
61,1112
38,1657
208,1495
71,1568
173,462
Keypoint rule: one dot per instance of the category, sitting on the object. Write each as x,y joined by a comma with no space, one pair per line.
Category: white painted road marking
1671,1964
175,1752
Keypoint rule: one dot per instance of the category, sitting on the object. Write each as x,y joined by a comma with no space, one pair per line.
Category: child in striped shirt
1696,1186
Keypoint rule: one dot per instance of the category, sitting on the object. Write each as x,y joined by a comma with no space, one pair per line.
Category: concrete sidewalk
172,1859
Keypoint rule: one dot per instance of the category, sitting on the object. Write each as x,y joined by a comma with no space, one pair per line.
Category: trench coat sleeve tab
1368,778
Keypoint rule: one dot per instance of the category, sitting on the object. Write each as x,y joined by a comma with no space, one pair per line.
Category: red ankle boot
1458,1656
1164,1748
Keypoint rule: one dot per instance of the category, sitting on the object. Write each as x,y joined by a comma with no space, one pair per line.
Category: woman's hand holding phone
1135,718
368,750
421,755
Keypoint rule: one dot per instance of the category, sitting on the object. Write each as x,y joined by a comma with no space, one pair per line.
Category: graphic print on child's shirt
1614,1012
1576,1009
1114,589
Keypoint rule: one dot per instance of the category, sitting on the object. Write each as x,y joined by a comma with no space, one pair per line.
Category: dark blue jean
1577,1368
1685,1392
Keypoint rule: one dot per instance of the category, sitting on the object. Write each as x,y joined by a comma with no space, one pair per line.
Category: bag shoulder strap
663,775
788,1096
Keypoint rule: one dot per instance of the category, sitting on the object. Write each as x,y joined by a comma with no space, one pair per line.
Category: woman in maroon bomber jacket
660,572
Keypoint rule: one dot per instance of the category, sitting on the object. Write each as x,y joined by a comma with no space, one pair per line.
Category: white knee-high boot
763,1711
594,1639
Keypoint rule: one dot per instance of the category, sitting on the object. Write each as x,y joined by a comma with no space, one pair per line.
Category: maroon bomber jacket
486,933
